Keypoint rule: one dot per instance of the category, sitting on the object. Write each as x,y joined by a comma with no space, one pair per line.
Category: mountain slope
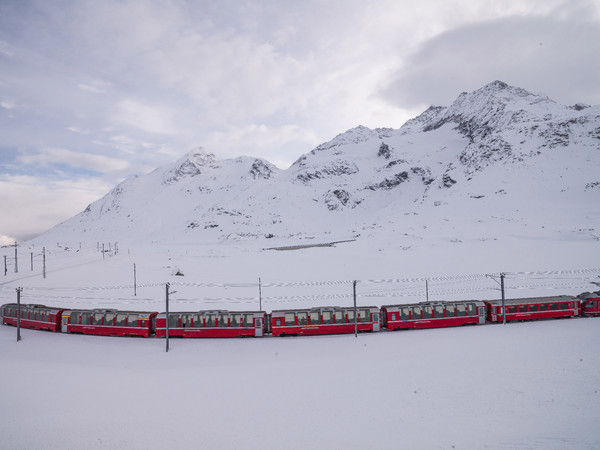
499,161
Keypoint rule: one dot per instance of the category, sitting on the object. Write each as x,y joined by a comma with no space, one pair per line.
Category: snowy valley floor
522,385
529,385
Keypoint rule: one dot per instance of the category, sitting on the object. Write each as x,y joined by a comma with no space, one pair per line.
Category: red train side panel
433,314
38,317
590,303
212,324
108,322
324,320
534,308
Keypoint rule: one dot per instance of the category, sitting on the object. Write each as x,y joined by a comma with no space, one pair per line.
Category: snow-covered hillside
498,161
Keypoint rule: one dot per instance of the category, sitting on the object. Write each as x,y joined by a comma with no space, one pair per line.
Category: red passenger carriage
212,324
38,317
590,303
433,314
534,308
108,322
324,320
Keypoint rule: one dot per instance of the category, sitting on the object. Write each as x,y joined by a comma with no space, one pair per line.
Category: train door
258,326
376,324
65,322
481,313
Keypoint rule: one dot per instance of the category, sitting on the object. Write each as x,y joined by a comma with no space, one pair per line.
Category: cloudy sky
92,92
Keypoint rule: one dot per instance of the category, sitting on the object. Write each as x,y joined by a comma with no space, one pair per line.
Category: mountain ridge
498,143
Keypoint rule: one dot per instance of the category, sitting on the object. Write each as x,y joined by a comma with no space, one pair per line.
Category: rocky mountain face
499,161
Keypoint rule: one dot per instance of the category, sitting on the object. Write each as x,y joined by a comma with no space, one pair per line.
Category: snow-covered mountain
499,161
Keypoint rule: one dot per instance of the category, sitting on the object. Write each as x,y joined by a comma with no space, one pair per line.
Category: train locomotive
313,321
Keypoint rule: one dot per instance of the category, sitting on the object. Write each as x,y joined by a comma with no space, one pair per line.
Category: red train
314,321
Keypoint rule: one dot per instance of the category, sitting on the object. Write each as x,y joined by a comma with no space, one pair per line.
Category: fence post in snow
355,316
427,290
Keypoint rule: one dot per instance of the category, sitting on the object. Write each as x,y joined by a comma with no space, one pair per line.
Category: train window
109,318
461,310
209,320
364,316
173,320
439,311
120,322
404,313
223,320
197,321
132,320
327,317
450,310
86,318
339,317
278,322
512,309
564,306
351,315
97,318
416,312
427,312
522,308
186,320
290,318
553,306
534,308
315,318
471,311
302,318
544,307
74,319
236,320
249,320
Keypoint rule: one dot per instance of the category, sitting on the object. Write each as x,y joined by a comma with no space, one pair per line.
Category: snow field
524,385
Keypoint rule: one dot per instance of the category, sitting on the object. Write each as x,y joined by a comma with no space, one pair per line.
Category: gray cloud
552,55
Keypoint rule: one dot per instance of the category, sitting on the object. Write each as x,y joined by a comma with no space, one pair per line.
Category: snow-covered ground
523,385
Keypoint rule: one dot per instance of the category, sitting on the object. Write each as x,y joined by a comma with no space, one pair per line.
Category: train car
323,320
108,322
433,314
39,317
218,323
590,303
533,308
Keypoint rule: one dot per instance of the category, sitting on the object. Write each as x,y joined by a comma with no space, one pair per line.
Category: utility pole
167,317
259,295
503,300
44,261
134,281
16,259
102,250
32,261
19,313
427,290
355,315
5,267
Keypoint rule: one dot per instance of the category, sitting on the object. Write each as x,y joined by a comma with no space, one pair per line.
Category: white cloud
77,160
145,117
46,202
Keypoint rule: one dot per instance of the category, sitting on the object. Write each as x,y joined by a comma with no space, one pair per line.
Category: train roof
533,300
434,303
323,308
